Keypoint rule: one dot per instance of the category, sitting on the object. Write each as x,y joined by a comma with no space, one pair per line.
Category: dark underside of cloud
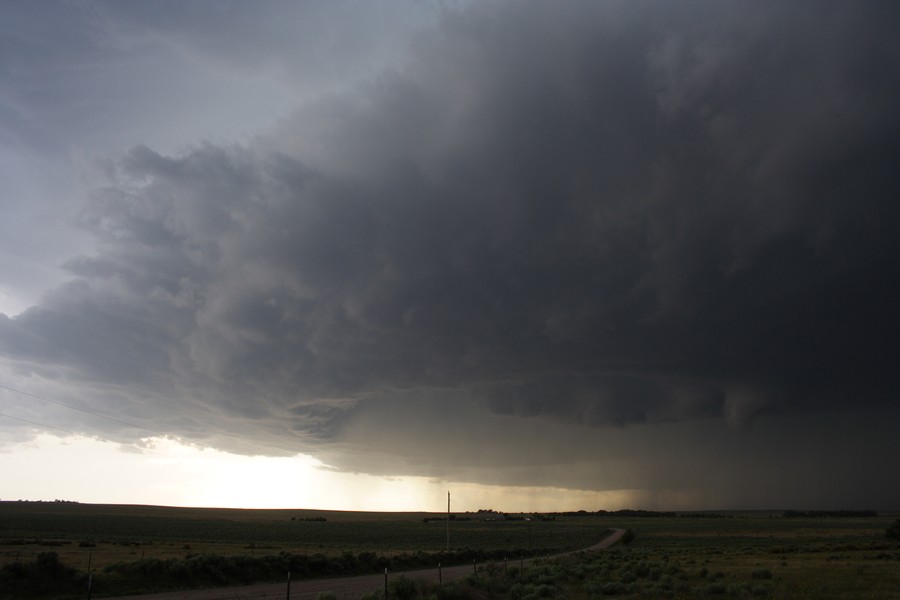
596,214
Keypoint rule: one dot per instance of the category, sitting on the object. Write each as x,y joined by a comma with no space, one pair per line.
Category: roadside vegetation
748,556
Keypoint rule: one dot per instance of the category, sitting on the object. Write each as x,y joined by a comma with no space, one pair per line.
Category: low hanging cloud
596,216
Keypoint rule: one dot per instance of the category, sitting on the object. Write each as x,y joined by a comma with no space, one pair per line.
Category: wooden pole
385,583
448,521
90,575
529,534
289,586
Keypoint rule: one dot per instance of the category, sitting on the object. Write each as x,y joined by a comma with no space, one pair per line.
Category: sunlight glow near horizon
163,471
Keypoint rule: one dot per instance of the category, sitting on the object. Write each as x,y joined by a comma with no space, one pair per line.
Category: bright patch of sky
163,471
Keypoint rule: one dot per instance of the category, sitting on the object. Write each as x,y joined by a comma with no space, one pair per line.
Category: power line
149,449
153,432
88,412
83,410
44,425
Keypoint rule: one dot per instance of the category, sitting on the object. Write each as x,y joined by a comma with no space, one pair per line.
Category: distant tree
893,532
838,514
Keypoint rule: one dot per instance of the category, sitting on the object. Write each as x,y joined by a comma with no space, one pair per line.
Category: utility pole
448,521
527,519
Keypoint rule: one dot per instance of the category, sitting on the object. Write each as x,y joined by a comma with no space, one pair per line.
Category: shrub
761,574
593,587
893,532
628,576
48,564
761,591
454,591
643,570
402,588
46,576
614,588
715,589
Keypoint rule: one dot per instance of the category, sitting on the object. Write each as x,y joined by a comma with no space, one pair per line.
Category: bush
761,591
715,589
628,576
46,576
614,588
628,536
893,532
377,594
48,564
761,574
402,588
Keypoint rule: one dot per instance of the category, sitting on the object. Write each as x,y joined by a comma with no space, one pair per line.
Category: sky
548,256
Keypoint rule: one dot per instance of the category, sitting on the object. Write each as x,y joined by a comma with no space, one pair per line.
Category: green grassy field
822,558
751,555
104,534
728,555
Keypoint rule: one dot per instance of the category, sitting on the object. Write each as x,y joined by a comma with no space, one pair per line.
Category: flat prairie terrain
760,554
711,555
105,534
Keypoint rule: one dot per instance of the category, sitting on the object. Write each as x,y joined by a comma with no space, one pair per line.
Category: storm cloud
549,233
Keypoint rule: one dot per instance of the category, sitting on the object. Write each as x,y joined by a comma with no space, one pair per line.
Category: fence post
474,568
90,575
440,576
385,583
289,586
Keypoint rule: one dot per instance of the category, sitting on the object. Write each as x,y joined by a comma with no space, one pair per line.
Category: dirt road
342,587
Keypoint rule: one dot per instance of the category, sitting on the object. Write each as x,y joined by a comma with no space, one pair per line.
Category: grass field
819,558
724,555
105,534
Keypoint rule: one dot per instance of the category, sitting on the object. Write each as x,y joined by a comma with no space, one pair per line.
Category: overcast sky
588,254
